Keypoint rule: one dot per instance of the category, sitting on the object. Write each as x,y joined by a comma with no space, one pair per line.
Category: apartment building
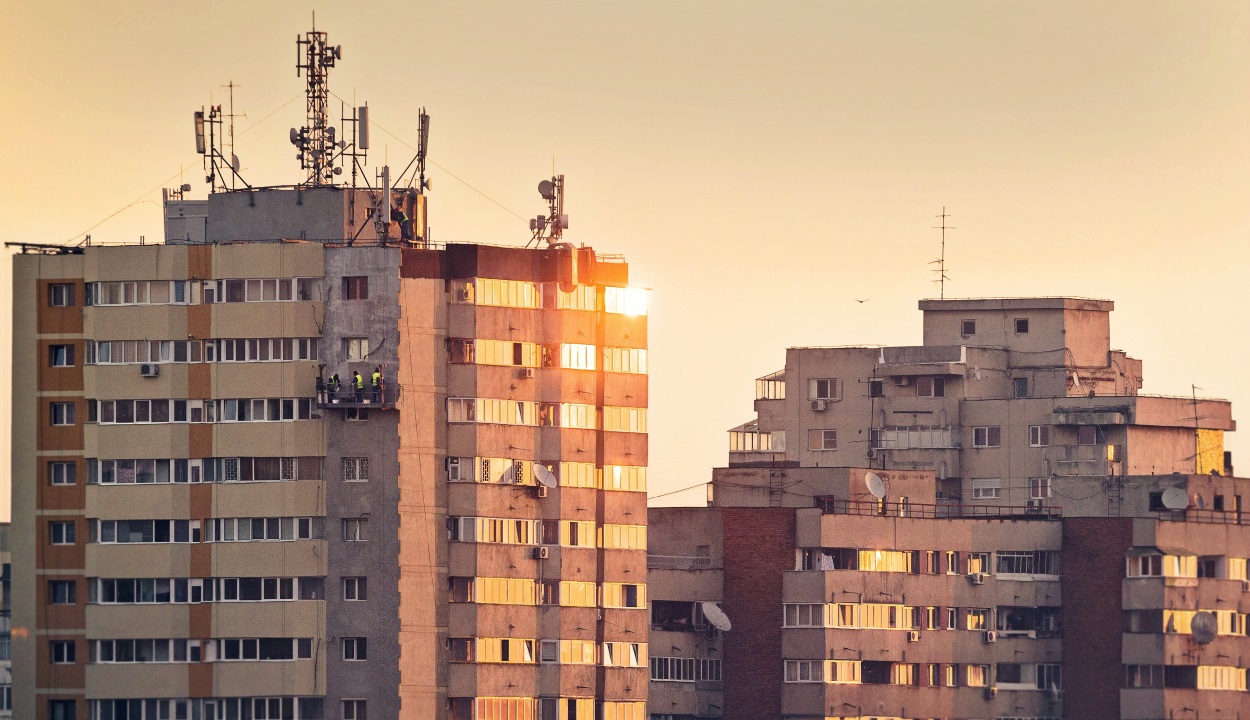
1091,589
6,626
208,526
1002,396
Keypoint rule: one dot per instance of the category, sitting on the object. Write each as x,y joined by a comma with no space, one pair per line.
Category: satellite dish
234,162
294,136
716,616
1200,502
509,475
875,485
547,189
545,476
976,371
1175,498
1203,627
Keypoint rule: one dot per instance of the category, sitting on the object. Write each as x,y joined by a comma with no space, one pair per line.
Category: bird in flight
861,302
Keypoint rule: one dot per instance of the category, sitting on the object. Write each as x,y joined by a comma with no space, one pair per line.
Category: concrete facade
1101,575
204,525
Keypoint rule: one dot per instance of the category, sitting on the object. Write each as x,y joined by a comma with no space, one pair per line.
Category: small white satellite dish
547,189
716,616
1175,498
1203,627
875,485
545,476
1200,502
976,372
1076,379
509,475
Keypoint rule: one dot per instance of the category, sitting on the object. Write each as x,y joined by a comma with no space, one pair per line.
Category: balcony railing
682,562
383,398
1207,517
838,506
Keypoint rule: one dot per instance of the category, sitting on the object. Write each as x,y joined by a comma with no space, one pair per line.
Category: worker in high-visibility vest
358,383
334,388
377,384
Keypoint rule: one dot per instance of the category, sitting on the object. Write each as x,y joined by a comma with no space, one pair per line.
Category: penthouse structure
1030,582
209,526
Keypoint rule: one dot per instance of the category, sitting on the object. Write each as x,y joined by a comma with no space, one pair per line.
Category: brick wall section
1092,567
759,546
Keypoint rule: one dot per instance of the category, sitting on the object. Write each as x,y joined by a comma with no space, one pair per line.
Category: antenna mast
941,261
550,227
316,140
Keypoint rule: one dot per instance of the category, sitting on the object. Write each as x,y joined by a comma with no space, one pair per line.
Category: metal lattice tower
316,141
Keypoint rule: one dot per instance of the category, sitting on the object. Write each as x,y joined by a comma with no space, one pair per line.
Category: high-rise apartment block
282,466
995,524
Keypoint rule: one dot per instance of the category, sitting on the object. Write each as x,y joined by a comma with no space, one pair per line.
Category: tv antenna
210,133
551,226
941,260
317,141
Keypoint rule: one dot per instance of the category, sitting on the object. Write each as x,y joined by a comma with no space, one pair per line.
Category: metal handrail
838,506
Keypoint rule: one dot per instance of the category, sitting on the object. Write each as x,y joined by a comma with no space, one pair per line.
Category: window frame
824,440
62,473
991,436
1021,326
1039,436
355,588
68,291
62,414
355,287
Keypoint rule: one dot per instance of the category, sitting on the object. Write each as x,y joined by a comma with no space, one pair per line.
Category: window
952,562
62,592
355,648
356,287
62,710
876,388
356,589
63,652
1039,435
60,356
1087,435
1020,387
61,533
1049,676
823,389
624,654
803,615
355,469
620,419
987,489
626,360
822,439
354,529
1039,488
968,327
1028,562
978,675
355,349
1022,326
354,710
61,295
1008,673
354,414
799,671
978,562
62,473
930,386
672,669
624,595
62,413
990,436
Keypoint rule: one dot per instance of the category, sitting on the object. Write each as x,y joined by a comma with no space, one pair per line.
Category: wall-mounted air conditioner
149,370
542,553
820,405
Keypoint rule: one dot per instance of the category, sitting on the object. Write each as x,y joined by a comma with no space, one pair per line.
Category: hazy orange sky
760,164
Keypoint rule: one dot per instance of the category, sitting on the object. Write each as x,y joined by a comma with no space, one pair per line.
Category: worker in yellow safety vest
377,384
358,383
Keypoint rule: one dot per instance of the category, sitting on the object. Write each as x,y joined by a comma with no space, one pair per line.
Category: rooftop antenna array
550,227
211,133
318,144
941,260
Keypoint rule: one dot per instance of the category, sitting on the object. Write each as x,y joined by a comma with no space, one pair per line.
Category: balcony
683,562
1075,460
838,506
383,398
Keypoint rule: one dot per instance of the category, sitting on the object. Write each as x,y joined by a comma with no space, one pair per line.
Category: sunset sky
760,164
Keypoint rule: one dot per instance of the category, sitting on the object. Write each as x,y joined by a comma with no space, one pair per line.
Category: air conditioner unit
462,295
1245,585
913,636
902,380
542,553
528,373
976,578
872,453
991,692
540,491
1034,503
149,369
820,405
991,636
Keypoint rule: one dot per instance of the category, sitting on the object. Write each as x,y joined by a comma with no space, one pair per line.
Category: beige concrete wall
423,555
